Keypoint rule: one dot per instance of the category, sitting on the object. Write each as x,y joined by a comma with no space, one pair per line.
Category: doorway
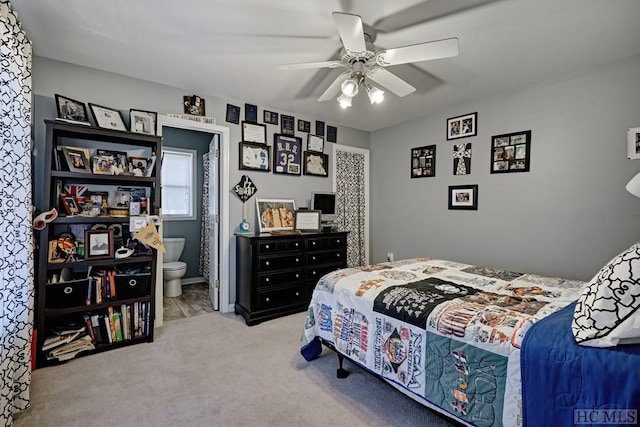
218,213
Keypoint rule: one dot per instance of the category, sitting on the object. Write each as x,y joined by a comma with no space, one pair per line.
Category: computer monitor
325,202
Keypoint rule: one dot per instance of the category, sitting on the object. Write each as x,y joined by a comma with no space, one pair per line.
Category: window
178,184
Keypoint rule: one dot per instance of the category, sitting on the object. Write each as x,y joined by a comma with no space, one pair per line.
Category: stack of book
119,323
66,342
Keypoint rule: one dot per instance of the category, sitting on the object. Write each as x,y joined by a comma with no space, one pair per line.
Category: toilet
172,269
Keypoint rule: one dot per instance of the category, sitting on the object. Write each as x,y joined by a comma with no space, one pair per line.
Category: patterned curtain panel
350,199
204,236
16,239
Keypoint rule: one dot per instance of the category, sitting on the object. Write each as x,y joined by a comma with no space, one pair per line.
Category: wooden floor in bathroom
193,301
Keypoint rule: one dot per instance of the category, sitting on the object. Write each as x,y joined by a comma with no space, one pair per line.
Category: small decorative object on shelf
194,105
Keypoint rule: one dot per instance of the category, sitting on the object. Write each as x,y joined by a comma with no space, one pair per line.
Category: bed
453,337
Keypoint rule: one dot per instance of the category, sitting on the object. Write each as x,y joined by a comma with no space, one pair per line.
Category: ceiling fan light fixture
376,95
350,87
344,101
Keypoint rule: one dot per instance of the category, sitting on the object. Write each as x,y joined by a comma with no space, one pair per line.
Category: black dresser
276,274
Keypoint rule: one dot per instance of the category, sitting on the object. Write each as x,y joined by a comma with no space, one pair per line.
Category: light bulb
344,101
350,87
376,95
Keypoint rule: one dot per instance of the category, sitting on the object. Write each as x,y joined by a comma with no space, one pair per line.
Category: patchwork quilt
445,333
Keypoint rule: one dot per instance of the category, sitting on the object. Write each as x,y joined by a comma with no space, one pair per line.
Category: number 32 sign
287,150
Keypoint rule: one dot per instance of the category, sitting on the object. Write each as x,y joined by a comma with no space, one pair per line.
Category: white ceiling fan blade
308,65
423,12
390,81
334,88
351,32
418,52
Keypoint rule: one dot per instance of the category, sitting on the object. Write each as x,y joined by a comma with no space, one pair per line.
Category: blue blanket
567,384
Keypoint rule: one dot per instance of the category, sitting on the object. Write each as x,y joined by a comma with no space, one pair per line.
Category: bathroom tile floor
193,301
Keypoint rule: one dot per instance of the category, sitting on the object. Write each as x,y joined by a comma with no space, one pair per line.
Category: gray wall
120,92
568,216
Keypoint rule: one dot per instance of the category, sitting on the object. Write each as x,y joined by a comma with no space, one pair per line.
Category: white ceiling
227,48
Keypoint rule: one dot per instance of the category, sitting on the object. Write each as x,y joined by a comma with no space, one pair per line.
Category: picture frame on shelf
307,220
316,164
315,143
122,198
143,121
137,165
423,161
275,214
71,110
463,197
320,128
151,164
233,114
77,160
287,125
251,113
511,152
107,118
633,143
287,152
69,205
103,165
120,165
304,126
269,117
332,134
462,126
255,156
98,244
254,132
193,105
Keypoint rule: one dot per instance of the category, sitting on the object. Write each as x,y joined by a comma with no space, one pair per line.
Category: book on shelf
89,327
71,349
97,331
56,340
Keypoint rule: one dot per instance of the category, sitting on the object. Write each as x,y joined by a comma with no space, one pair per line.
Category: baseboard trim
192,280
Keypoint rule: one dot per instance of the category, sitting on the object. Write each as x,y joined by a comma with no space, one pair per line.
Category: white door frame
365,152
224,242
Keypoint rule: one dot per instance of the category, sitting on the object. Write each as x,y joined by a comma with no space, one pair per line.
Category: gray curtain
204,235
16,235
350,199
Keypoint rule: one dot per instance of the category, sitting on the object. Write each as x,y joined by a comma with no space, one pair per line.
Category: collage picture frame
511,152
462,126
423,162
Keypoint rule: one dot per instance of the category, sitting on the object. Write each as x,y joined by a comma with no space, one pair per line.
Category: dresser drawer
280,297
271,279
315,273
280,262
318,258
273,246
336,242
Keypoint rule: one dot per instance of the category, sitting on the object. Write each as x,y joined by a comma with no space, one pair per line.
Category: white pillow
608,311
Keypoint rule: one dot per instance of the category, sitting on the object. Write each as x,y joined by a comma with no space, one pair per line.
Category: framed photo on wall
275,214
254,132
270,117
511,152
463,197
423,161
316,164
251,113
304,126
633,143
319,128
287,151
255,156
194,105
233,114
315,143
287,126
462,126
332,134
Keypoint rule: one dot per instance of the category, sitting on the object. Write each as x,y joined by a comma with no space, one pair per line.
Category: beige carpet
213,370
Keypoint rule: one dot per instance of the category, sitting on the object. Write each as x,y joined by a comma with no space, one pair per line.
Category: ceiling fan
365,64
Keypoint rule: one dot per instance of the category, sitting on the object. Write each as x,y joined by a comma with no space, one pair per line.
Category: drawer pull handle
297,294
338,241
314,273
313,258
313,243
297,260
297,275
266,299
266,246
266,280
338,255
297,244
266,263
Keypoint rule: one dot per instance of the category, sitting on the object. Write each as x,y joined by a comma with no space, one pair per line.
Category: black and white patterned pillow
608,311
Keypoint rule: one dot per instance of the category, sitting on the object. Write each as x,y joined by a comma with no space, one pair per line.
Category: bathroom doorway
212,140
